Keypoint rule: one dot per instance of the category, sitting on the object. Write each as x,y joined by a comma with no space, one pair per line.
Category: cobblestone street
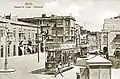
25,64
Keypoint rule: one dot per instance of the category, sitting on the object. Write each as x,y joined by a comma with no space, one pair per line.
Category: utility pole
38,40
76,31
6,51
99,44
107,41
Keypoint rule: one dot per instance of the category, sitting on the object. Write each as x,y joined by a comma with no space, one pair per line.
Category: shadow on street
46,72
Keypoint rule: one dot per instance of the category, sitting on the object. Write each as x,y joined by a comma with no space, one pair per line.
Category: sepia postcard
59,39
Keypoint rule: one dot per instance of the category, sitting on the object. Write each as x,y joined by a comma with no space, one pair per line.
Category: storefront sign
67,46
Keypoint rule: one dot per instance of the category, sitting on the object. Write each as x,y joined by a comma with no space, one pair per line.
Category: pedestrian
59,67
118,63
107,56
75,60
78,76
115,54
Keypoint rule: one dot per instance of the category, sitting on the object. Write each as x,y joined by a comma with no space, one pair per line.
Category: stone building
111,35
60,28
94,41
16,38
56,37
84,42
77,35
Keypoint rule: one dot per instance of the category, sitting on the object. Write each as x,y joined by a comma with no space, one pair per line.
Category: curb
45,72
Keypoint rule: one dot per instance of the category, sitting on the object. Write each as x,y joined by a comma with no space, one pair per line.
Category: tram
54,56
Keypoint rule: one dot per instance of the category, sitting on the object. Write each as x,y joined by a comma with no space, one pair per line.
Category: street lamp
107,41
8,40
38,41
107,56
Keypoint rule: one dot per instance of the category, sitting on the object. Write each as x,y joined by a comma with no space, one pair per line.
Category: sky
88,13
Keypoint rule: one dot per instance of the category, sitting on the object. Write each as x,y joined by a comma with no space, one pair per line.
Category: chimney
8,16
52,15
43,15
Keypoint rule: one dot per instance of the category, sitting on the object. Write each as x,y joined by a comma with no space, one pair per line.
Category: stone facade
21,38
94,39
60,27
111,34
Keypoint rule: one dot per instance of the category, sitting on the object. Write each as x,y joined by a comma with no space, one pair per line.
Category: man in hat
59,70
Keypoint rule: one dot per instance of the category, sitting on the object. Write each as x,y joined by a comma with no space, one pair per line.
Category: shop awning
30,47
